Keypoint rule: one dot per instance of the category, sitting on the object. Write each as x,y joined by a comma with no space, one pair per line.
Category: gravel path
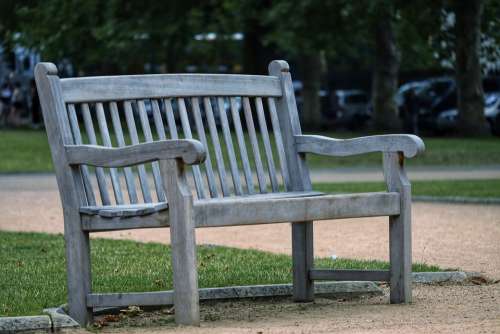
435,309
449,235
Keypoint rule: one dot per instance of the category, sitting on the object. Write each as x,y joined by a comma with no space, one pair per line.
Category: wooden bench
112,180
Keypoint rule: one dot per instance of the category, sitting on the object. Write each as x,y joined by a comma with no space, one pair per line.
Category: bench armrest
189,150
409,145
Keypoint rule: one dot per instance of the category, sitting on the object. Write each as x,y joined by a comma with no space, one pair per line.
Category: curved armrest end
189,150
409,145
195,152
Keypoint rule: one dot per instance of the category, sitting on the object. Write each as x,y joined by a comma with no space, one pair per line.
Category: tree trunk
311,71
385,74
471,120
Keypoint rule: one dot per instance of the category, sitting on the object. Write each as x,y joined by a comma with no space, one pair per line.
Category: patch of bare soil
466,308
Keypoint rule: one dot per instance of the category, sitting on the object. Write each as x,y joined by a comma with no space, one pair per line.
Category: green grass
28,151
441,188
33,275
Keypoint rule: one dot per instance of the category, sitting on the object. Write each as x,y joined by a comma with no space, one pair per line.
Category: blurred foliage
104,36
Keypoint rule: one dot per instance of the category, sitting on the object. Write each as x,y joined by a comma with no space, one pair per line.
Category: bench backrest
238,118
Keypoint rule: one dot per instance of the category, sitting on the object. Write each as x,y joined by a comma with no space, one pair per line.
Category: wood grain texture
299,180
212,184
186,128
134,87
124,210
189,150
71,190
134,138
267,144
77,136
254,210
226,132
247,171
129,174
99,172
183,243
106,139
254,143
148,136
399,229
96,223
279,142
299,204
410,145
221,169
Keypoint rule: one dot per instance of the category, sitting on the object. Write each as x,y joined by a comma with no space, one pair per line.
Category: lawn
28,151
33,275
441,188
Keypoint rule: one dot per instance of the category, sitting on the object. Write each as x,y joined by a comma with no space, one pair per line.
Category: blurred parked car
350,108
447,120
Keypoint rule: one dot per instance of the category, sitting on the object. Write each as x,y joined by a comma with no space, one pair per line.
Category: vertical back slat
255,144
148,136
78,141
198,182
279,141
216,143
160,130
170,119
212,185
129,174
106,139
101,176
241,143
226,132
267,144
134,138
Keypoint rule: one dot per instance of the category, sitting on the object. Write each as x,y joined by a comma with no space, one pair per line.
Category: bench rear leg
399,230
303,261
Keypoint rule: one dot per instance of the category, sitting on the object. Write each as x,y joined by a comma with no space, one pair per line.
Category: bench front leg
399,230
182,239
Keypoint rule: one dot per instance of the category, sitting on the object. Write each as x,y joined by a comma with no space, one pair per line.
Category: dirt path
449,235
436,309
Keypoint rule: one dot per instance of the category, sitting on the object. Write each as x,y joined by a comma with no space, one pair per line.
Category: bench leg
303,260
183,243
400,251
78,274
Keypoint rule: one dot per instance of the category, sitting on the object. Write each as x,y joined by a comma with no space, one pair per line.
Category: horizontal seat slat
245,211
132,87
125,210
101,224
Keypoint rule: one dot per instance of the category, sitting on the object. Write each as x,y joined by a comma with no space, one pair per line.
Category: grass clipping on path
33,272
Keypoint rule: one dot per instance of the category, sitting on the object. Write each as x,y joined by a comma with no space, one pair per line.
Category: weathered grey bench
112,181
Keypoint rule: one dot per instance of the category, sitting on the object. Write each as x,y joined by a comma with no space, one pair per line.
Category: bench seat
244,210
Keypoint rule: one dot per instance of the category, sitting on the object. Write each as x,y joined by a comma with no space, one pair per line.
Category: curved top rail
131,87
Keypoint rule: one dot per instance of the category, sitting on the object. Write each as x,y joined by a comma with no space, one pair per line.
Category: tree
386,67
471,120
